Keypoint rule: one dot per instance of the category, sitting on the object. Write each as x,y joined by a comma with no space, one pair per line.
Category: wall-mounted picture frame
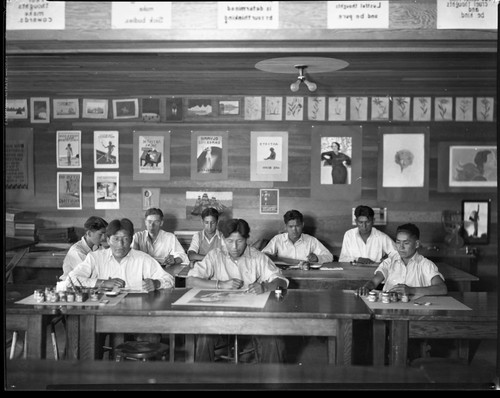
380,108
125,108
316,108
269,156
106,150
40,110
466,167
209,155
337,108
273,108
358,109
294,108
16,109
151,155
476,221
95,108
150,109
464,109
19,180
269,201
422,109
443,109
107,190
485,109
401,107
197,201
69,191
199,108
69,145
173,108
66,108
229,107
253,108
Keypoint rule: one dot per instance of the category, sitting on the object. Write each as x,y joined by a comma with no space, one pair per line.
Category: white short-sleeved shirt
377,245
75,255
202,245
280,245
417,273
253,266
165,244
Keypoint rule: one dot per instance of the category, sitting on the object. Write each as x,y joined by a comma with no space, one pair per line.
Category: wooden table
480,323
353,276
20,248
327,313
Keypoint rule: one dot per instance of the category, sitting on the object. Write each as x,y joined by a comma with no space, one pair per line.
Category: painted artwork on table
269,156
197,201
316,108
106,190
223,298
463,109
150,109
173,109
273,108
294,108
66,108
443,109
69,191
380,108
253,108
485,109
476,221
359,108
106,149
209,154
422,109
95,108
69,145
401,108
473,166
151,155
40,110
337,110
125,108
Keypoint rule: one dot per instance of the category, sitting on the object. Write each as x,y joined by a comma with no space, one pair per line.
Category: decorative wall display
150,198
106,149
337,109
380,108
95,108
253,108
229,107
422,109
106,190
273,109
125,108
443,109
69,144
463,109
19,178
173,109
294,108
209,154
485,109
359,108
401,107
336,172
316,108
69,191
199,108
197,201
151,155
150,109
269,156
40,110
269,201
66,108
476,221
16,109
403,169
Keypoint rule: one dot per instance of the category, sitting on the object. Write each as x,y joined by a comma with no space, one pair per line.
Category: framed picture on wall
125,108
209,154
95,108
476,221
253,108
69,191
69,144
150,198
337,108
273,109
358,108
229,107
150,109
173,108
269,156
401,108
269,201
294,108
19,180
443,109
151,155
16,109
316,108
107,190
485,107
106,150
380,108
40,110
66,108
199,108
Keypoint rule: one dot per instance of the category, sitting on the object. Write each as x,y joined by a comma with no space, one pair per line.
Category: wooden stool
140,351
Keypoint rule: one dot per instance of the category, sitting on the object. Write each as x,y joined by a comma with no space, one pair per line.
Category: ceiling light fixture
302,79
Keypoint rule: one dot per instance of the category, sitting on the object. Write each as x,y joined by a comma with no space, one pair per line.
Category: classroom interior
401,71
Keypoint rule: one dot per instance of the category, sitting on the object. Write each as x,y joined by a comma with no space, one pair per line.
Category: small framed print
95,108
476,221
358,108
151,156
485,109
443,109
422,109
150,198
69,191
269,201
66,108
173,109
125,108
151,109
273,109
380,108
199,108
401,108
337,108
16,109
209,155
253,108
229,107
69,145
463,109
316,108
40,110
106,190
106,149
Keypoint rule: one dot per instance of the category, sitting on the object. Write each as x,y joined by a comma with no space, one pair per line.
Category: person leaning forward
237,265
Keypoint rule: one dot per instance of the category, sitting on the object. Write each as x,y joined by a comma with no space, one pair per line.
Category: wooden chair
140,351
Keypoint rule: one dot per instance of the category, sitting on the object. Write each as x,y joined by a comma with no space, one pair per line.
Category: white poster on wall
467,14
39,14
141,15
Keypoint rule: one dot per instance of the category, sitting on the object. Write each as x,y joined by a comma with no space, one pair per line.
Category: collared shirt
133,268
165,244
417,273
377,245
253,266
75,255
202,245
280,245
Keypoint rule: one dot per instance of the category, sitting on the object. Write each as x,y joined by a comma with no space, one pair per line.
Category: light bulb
310,85
295,86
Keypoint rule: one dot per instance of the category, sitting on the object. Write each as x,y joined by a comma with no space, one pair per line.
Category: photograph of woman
338,161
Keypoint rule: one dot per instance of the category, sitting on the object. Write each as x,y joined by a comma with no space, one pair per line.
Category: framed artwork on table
209,155
66,108
95,108
40,110
336,162
476,221
269,156
403,167
466,167
16,109
125,108
151,155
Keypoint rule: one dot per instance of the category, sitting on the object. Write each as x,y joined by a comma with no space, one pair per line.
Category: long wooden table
402,325
353,276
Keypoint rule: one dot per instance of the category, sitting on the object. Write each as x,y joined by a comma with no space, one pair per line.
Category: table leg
344,342
88,337
398,343
36,337
72,336
378,343
189,347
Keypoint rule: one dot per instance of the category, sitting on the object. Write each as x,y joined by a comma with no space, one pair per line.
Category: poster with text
197,201
69,191
106,149
151,156
209,154
106,190
69,144
19,178
269,156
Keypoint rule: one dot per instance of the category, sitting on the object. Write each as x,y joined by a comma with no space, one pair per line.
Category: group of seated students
220,257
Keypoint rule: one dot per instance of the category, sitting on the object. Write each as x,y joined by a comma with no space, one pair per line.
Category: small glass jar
405,298
39,295
386,297
70,296
372,296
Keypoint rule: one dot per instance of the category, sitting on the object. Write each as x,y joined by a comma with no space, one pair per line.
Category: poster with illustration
69,191
209,153
106,190
473,166
197,201
476,221
106,149
151,155
269,156
150,198
336,158
69,144
269,201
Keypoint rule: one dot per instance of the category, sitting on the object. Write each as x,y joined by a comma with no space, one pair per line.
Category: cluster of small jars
387,297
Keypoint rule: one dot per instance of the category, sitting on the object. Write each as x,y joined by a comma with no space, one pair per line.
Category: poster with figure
269,201
107,190
197,201
151,155
473,166
476,221
19,178
69,191
269,156
336,158
150,198
209,154
106,149
69,145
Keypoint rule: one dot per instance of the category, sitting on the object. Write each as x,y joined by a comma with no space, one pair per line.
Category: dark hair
154,212
412,229
293,215
364,211
336,143
117,225
210,211
480,159
235,225
95,223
